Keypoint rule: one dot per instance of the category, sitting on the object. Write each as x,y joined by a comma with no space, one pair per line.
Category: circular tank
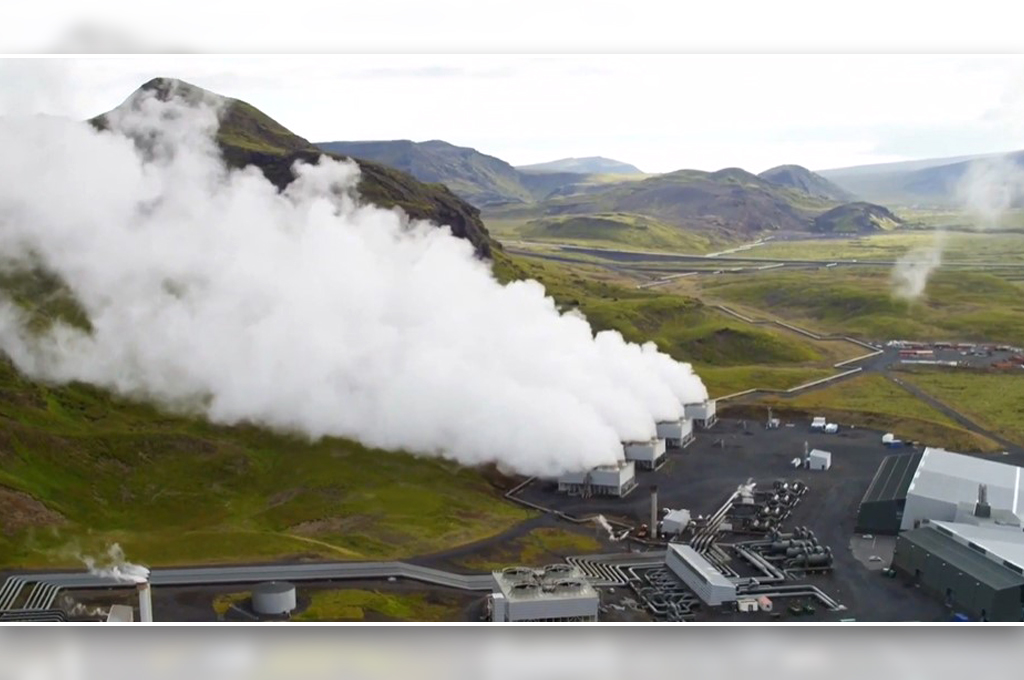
273,598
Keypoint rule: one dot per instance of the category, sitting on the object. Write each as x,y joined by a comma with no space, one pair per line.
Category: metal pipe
654,511
145,602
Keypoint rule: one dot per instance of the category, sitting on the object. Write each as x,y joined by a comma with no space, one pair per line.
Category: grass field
609,230
955,305
361,605
682,327
957,247
540,547
875,402
80,470
723,380
994,401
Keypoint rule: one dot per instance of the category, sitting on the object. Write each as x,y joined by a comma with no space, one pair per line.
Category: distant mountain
593,165
730,204
856,218
813,184
933,182
478,178
247,136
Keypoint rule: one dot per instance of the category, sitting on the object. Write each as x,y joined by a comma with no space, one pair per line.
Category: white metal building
943,480
648,455
604,480
818,423
699,575
559,592
676,433
701,413
674,522
819,460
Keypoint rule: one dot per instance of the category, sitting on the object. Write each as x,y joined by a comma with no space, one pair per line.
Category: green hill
802,179
247,136
856,218
478,178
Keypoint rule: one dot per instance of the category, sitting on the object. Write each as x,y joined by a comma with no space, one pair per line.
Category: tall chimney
145,602
654,510
982,509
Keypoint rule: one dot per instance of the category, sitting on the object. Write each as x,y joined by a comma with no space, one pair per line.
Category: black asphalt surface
701,477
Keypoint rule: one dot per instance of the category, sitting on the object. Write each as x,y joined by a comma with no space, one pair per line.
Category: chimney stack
145,602
654,510
982,509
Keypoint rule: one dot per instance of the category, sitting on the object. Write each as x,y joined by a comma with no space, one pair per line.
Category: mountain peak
589,165
800,178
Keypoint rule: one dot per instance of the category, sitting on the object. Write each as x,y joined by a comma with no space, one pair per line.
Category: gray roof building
881,509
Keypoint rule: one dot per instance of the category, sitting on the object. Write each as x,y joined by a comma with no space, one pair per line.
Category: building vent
982,508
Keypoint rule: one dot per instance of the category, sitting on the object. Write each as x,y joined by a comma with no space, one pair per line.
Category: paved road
326,571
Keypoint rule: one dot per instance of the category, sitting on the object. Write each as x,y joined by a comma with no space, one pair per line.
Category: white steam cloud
910,275
115,566
305,310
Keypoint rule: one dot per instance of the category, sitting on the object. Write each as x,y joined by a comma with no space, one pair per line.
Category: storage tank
273,598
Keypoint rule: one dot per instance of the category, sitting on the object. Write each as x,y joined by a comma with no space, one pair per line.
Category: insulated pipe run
145,602
654,511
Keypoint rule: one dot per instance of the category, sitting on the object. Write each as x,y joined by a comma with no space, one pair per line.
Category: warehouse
701,413
676,433
943,480
605,480
559,592
699,575
881,509
976,570
648,455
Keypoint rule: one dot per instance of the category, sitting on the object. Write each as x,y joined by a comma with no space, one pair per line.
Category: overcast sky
659,112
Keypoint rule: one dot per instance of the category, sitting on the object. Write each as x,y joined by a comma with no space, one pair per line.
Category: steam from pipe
114,566
305,311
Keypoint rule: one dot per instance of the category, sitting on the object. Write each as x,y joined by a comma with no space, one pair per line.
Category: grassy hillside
956,304
247,136
810,183
856,218
875,402
478,178
87,469
723,208
612,230
995,401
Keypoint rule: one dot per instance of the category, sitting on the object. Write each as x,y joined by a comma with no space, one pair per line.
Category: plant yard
876,402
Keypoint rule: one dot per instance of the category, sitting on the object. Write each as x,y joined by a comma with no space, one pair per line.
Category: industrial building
605,480
559,592
648,455
976,569
819,460
701,413
676,433
709,584
881,509
944,480
936,484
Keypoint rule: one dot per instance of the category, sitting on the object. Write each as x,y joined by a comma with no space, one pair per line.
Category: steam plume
306,310
910,276
116,567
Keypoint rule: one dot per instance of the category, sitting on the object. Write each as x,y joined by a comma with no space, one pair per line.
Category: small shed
818,423
819,460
